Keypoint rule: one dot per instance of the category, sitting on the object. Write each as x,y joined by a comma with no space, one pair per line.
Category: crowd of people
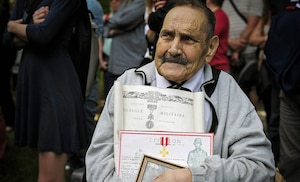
219,47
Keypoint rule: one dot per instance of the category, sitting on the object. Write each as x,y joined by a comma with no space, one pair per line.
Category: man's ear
212,49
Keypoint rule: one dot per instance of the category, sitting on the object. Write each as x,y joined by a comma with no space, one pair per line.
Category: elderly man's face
183,45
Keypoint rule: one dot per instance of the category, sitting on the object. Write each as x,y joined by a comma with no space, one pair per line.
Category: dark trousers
3,142
6,98
109,79
273,122
289,162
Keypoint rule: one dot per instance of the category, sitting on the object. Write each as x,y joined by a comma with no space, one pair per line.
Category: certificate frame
151,167
173,147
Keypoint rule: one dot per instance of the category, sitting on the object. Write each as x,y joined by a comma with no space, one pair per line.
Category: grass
20,163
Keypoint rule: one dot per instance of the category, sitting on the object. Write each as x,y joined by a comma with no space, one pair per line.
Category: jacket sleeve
60,14
17,13
100,161
242,151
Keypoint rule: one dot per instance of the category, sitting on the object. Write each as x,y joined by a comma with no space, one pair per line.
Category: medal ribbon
164,141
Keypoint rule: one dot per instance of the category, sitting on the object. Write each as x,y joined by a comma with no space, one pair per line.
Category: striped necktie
178,86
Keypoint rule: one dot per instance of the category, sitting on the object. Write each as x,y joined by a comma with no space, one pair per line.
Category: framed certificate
180,148
152,167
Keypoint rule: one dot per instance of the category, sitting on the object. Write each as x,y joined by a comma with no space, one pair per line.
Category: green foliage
105,5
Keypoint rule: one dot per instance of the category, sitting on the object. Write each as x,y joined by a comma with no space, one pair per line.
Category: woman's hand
11,25
40,15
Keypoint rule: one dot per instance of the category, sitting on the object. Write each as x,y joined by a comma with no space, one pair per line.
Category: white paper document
152,109
147,108
181,148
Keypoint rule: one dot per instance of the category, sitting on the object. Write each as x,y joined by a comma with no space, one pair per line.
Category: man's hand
235,60
159,4
103,65
175,175
40,15
237,44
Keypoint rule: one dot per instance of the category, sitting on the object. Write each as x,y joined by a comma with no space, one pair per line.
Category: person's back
129,44
106,50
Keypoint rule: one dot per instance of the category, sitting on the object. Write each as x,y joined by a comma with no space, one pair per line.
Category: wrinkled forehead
185,18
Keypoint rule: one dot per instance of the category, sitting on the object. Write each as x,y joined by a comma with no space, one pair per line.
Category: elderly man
241,151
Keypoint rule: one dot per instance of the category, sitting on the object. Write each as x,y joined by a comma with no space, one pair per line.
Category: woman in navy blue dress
50,113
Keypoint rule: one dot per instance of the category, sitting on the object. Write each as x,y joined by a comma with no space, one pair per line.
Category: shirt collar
193,84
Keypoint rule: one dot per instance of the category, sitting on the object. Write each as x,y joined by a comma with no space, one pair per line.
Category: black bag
81,44
94,59
264,81
283,51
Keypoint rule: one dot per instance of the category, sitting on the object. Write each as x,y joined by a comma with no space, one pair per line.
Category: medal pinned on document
164,141
150,123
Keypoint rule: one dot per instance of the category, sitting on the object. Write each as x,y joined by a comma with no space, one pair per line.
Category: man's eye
188,39
166,35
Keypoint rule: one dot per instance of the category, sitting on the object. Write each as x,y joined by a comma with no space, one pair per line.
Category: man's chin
171,70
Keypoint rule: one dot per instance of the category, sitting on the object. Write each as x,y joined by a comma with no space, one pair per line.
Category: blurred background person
267,90
220,59
50,106
128,46
243,16
97,14
76,160
8,56
152,33
154,19
104,57
282,52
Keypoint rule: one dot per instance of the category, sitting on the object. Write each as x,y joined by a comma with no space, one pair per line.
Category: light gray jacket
241,150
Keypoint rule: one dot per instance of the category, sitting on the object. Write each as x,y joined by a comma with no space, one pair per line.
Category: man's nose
176,47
